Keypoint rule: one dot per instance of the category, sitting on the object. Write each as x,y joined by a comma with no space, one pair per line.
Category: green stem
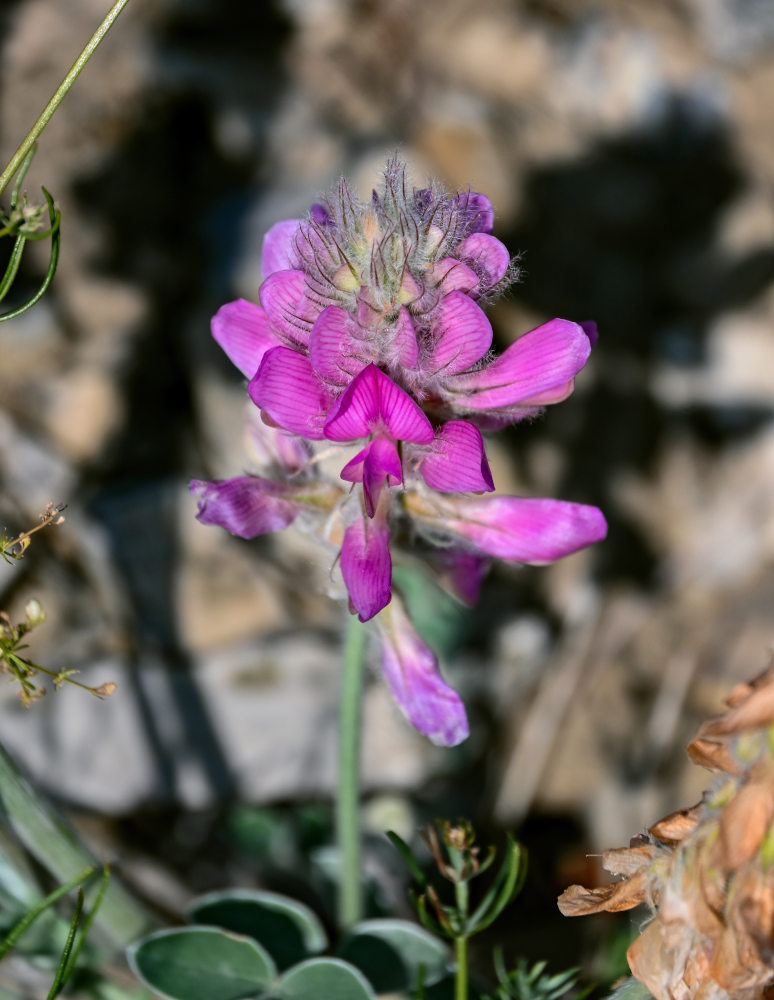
348,800
47,113
461,970
461,898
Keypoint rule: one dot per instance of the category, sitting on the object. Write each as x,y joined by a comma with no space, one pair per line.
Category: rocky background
629,152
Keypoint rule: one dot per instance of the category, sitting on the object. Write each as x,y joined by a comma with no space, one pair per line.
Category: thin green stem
32,915
47,113
350,902
462,900
461,968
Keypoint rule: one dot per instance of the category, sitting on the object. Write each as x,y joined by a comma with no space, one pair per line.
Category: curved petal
376,466
411,671
457,462
404,344
461,335
478,211
366,566
336,355
531,530
291,313
243,331
246,506
278,252
461,572
372,401
487,256
451,274
540,363
589,327
288,390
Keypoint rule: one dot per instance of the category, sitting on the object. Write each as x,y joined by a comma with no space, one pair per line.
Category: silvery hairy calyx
371,337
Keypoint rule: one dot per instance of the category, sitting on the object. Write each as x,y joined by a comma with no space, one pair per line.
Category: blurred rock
271,709
628,150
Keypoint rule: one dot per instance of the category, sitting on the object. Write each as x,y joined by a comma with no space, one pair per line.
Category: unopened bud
34,613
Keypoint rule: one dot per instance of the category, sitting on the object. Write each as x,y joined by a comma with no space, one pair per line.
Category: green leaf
391,952
407,854
507,885
327,978
201,963
287,929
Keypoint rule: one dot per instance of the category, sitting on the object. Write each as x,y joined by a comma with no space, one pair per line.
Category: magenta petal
376,466
247,506
589,327
288,390
381,468
478,211
335,353
452,275
487,256
366,565
405,342
541,362
372,401
411,671
242,329
457,462
278,252
462,334
292,314
527,530
461,572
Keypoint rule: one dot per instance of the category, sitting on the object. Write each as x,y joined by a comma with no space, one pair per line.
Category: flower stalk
58,96
350,902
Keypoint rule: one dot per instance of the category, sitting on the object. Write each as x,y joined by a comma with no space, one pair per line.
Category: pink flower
411,671
370,335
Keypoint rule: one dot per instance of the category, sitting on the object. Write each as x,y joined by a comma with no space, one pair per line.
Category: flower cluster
370,336
707,872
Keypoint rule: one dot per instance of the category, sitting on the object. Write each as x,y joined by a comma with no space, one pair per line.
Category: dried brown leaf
712,754
743,825
577,901
646,961
752,712
677,825
742,691
628,860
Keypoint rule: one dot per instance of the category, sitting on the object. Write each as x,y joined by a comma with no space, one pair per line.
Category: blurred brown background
629,152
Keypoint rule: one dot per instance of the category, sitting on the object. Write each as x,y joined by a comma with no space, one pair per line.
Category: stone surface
628,150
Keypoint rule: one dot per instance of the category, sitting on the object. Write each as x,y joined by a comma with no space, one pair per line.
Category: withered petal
628,860
677,825
743,825
712,754
742,691
646,957
752,712
577,901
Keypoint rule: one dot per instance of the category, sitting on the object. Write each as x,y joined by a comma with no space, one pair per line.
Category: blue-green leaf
287,929
327,978
391,952
201,963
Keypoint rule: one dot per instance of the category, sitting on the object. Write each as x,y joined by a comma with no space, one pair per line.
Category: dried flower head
707,872
370,338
